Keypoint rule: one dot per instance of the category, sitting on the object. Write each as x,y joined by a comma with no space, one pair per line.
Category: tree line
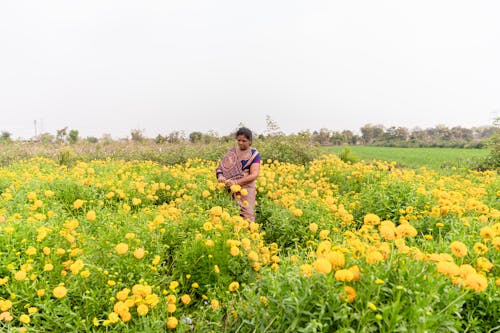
379,135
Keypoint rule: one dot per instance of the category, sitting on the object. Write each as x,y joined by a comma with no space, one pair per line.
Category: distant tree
62,134
73,136
371,133
272,127
460,133
91,139
137,135
394,133
5,136
46,138
175,137
195,137
160,139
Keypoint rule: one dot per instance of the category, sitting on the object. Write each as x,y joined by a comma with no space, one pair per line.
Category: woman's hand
221,179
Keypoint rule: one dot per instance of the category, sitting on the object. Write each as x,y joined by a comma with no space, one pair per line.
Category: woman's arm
254,173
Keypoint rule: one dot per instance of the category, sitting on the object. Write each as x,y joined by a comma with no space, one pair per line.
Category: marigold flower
25,319
322,265
121,248
214,304
373,257
349,294
344,275
142,309
313,227
371,219
60,292
459,249
186,299
172,322
139,253
78,204
233,286
171,307
91,215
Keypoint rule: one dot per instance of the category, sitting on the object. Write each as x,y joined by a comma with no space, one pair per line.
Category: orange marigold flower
459,249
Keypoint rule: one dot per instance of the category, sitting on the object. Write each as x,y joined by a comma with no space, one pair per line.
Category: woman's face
243,142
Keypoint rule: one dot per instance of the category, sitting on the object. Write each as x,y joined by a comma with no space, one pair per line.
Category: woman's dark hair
245,132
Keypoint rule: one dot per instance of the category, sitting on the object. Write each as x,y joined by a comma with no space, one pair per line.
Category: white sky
110,66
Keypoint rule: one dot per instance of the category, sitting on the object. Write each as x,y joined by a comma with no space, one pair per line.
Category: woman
241,166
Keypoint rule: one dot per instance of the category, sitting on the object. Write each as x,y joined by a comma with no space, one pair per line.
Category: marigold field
114,246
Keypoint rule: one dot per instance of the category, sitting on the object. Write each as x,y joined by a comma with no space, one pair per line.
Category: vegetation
117,246
436,158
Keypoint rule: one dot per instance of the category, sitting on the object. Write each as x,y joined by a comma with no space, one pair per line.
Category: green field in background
435,158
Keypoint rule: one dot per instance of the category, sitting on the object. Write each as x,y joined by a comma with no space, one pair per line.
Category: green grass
435,158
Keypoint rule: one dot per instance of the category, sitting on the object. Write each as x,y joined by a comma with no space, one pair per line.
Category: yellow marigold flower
91,215
244,192
487,232
336,258
5,305
373,257
379,281
25,319
349,294
387,230
216,211
48,267
293,258
195,285
372,306
85,273
142,309
30,251
214,304
371,219
344,275
171,307
126,207
4,281
448,268
480,248
233,286
323,234
172,323
306,269
32,310
322,265
125,316
78,204
60,292
313,227
139,253
235,188
484,264
46,251
476,282
120,307
20,276
405,229
186,299
234,251
136,201
121,248
459,249
40,292
496,243
173,285
216,269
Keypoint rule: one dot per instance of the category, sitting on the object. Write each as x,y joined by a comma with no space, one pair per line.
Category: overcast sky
111,66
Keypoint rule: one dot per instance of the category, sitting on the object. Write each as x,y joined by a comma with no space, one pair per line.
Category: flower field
115,246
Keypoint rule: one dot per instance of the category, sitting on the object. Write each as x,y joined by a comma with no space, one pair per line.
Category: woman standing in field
239,170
